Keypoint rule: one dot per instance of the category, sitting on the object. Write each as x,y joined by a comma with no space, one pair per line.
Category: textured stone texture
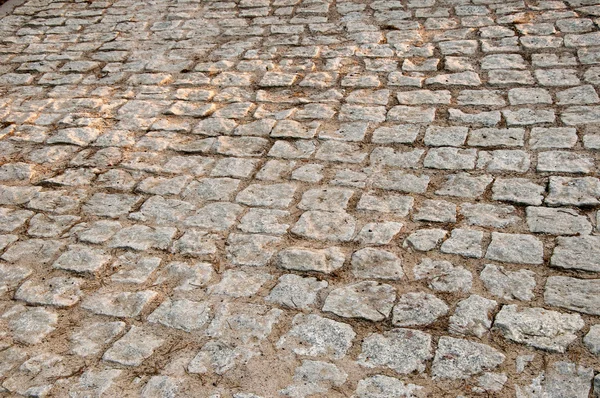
265,198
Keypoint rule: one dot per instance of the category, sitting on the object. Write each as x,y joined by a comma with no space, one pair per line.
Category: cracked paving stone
90,339
366,300
510,285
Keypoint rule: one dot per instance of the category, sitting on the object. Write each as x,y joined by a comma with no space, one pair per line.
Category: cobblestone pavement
300,198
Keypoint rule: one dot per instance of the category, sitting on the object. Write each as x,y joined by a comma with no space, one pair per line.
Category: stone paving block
204,192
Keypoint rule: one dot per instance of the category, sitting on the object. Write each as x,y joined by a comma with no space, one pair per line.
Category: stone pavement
300,198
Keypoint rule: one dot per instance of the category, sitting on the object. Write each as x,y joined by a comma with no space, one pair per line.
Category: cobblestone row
300,198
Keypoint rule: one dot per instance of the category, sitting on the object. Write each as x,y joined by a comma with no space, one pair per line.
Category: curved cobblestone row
300,198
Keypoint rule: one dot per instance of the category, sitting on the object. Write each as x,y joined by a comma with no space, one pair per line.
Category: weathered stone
304,259
389,203
465,242
133,348
90,339
515,248
581,295
240,283
443,276
218,216
539,328
487,215
293,291
566,191
57,291
141,237
378,233
437,211
275,195
328,199
381,386
321,225
368,300
418,309
110,205
375,263
517,285
471,316
314,336
592,339
252,249
464,185
402,350
181,314
425,239
246,323
517,190
122,305
314,377
82,259
461,359
30,325
560,379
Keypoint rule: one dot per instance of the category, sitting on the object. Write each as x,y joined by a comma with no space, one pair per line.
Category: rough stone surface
510,285
579,295
537,327
367,300
418,309
185,184
313,335
403,350
471,316
460,359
